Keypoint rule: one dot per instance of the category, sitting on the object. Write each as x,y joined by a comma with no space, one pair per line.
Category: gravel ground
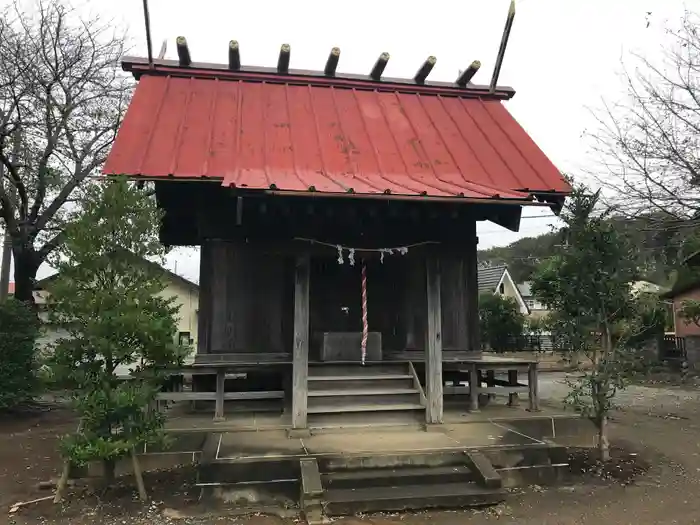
657,399
661,424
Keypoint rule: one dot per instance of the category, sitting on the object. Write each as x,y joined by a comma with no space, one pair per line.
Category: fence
673,348
525,343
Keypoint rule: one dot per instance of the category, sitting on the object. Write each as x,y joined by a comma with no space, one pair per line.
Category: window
184,339
502,289
530,303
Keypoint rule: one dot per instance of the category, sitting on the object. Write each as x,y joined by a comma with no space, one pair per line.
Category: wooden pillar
490,383
533,388
433,351
220,389
471,275
474,387
513,399
205,298
300,356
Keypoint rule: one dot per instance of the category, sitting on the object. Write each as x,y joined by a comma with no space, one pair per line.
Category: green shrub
500,321
19,328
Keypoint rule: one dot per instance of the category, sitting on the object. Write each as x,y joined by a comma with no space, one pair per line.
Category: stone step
395,459
220,474
386,477
341,502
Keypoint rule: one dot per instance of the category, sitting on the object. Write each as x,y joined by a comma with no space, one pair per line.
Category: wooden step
356,370
360,384
329,408
382,477
376,499
349,399
362,392
358,377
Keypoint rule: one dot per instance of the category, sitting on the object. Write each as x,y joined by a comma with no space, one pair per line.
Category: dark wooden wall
459,301
245,300
247,275
459,292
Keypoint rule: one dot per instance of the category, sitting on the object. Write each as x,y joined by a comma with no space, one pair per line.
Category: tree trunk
108,467
62,482
138,475
5,264
603,444
25,274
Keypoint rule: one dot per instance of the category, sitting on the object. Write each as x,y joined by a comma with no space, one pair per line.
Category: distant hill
523,256
659,250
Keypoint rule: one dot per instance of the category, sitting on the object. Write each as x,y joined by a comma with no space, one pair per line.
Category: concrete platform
355,465
274,444
264,436
180,419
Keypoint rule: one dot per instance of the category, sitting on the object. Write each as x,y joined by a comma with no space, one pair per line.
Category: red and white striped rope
365,325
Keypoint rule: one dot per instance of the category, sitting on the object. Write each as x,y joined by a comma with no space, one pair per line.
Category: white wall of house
534,304
186,297
507,288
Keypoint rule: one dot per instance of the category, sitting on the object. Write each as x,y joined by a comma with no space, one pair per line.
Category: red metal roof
297,138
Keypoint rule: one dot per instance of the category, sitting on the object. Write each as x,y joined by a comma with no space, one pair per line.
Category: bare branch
61,85
649,143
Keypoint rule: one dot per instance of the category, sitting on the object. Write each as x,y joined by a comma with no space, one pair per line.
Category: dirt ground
658,425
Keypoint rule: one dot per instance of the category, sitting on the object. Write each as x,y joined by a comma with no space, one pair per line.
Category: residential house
185,292
497,280
679,294
537,309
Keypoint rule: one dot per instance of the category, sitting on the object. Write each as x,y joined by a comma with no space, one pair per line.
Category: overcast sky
563,58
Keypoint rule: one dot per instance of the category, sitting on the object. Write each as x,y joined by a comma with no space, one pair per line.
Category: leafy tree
110,302
19,328
500,320
586,284
62,96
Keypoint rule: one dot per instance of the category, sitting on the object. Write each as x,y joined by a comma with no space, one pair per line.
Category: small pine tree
110,302
587,286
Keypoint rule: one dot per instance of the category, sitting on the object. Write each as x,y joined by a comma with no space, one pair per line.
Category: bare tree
62,97
650,142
